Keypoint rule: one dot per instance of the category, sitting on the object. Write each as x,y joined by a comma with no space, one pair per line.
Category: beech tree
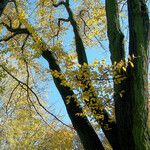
24,124
115,96
24,129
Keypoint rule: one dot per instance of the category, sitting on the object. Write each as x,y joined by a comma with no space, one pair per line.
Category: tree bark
81,124
131,132
137,82
82,58
131,108
87,134
116,46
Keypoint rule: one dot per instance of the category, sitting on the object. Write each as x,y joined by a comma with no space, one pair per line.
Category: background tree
24,124
86,88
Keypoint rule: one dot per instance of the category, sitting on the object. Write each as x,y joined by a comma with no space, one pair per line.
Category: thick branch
28,88
88,136
82,58
14,32
80,49
115,36
73,109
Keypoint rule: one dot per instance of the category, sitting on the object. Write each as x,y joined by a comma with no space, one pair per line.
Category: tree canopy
109,93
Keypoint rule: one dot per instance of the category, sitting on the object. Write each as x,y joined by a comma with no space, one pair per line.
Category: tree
129,129
24,124
24,129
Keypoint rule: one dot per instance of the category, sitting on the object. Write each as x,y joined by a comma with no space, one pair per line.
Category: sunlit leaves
96,78
92,84
21,125
25,130
91,23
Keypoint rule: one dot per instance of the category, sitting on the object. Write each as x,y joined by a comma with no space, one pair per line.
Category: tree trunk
131,109
81,124
116,46
82,58
87,134
131,132
137,82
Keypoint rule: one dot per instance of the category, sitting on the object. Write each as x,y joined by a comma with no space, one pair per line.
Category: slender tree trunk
82,58
81,124
116,46
87,134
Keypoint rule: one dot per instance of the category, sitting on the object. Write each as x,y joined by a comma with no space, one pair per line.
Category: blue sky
54,96
93,53
97,52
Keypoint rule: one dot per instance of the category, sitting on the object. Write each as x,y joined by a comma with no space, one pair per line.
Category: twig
11,96
35,96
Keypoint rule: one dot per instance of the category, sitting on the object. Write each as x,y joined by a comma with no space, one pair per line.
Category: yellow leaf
124,69
131,63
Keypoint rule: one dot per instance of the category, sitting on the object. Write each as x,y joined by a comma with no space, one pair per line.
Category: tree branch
82,58
14,32
59,21
59,4
24,84
11,96
88,136
17,30
74,108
